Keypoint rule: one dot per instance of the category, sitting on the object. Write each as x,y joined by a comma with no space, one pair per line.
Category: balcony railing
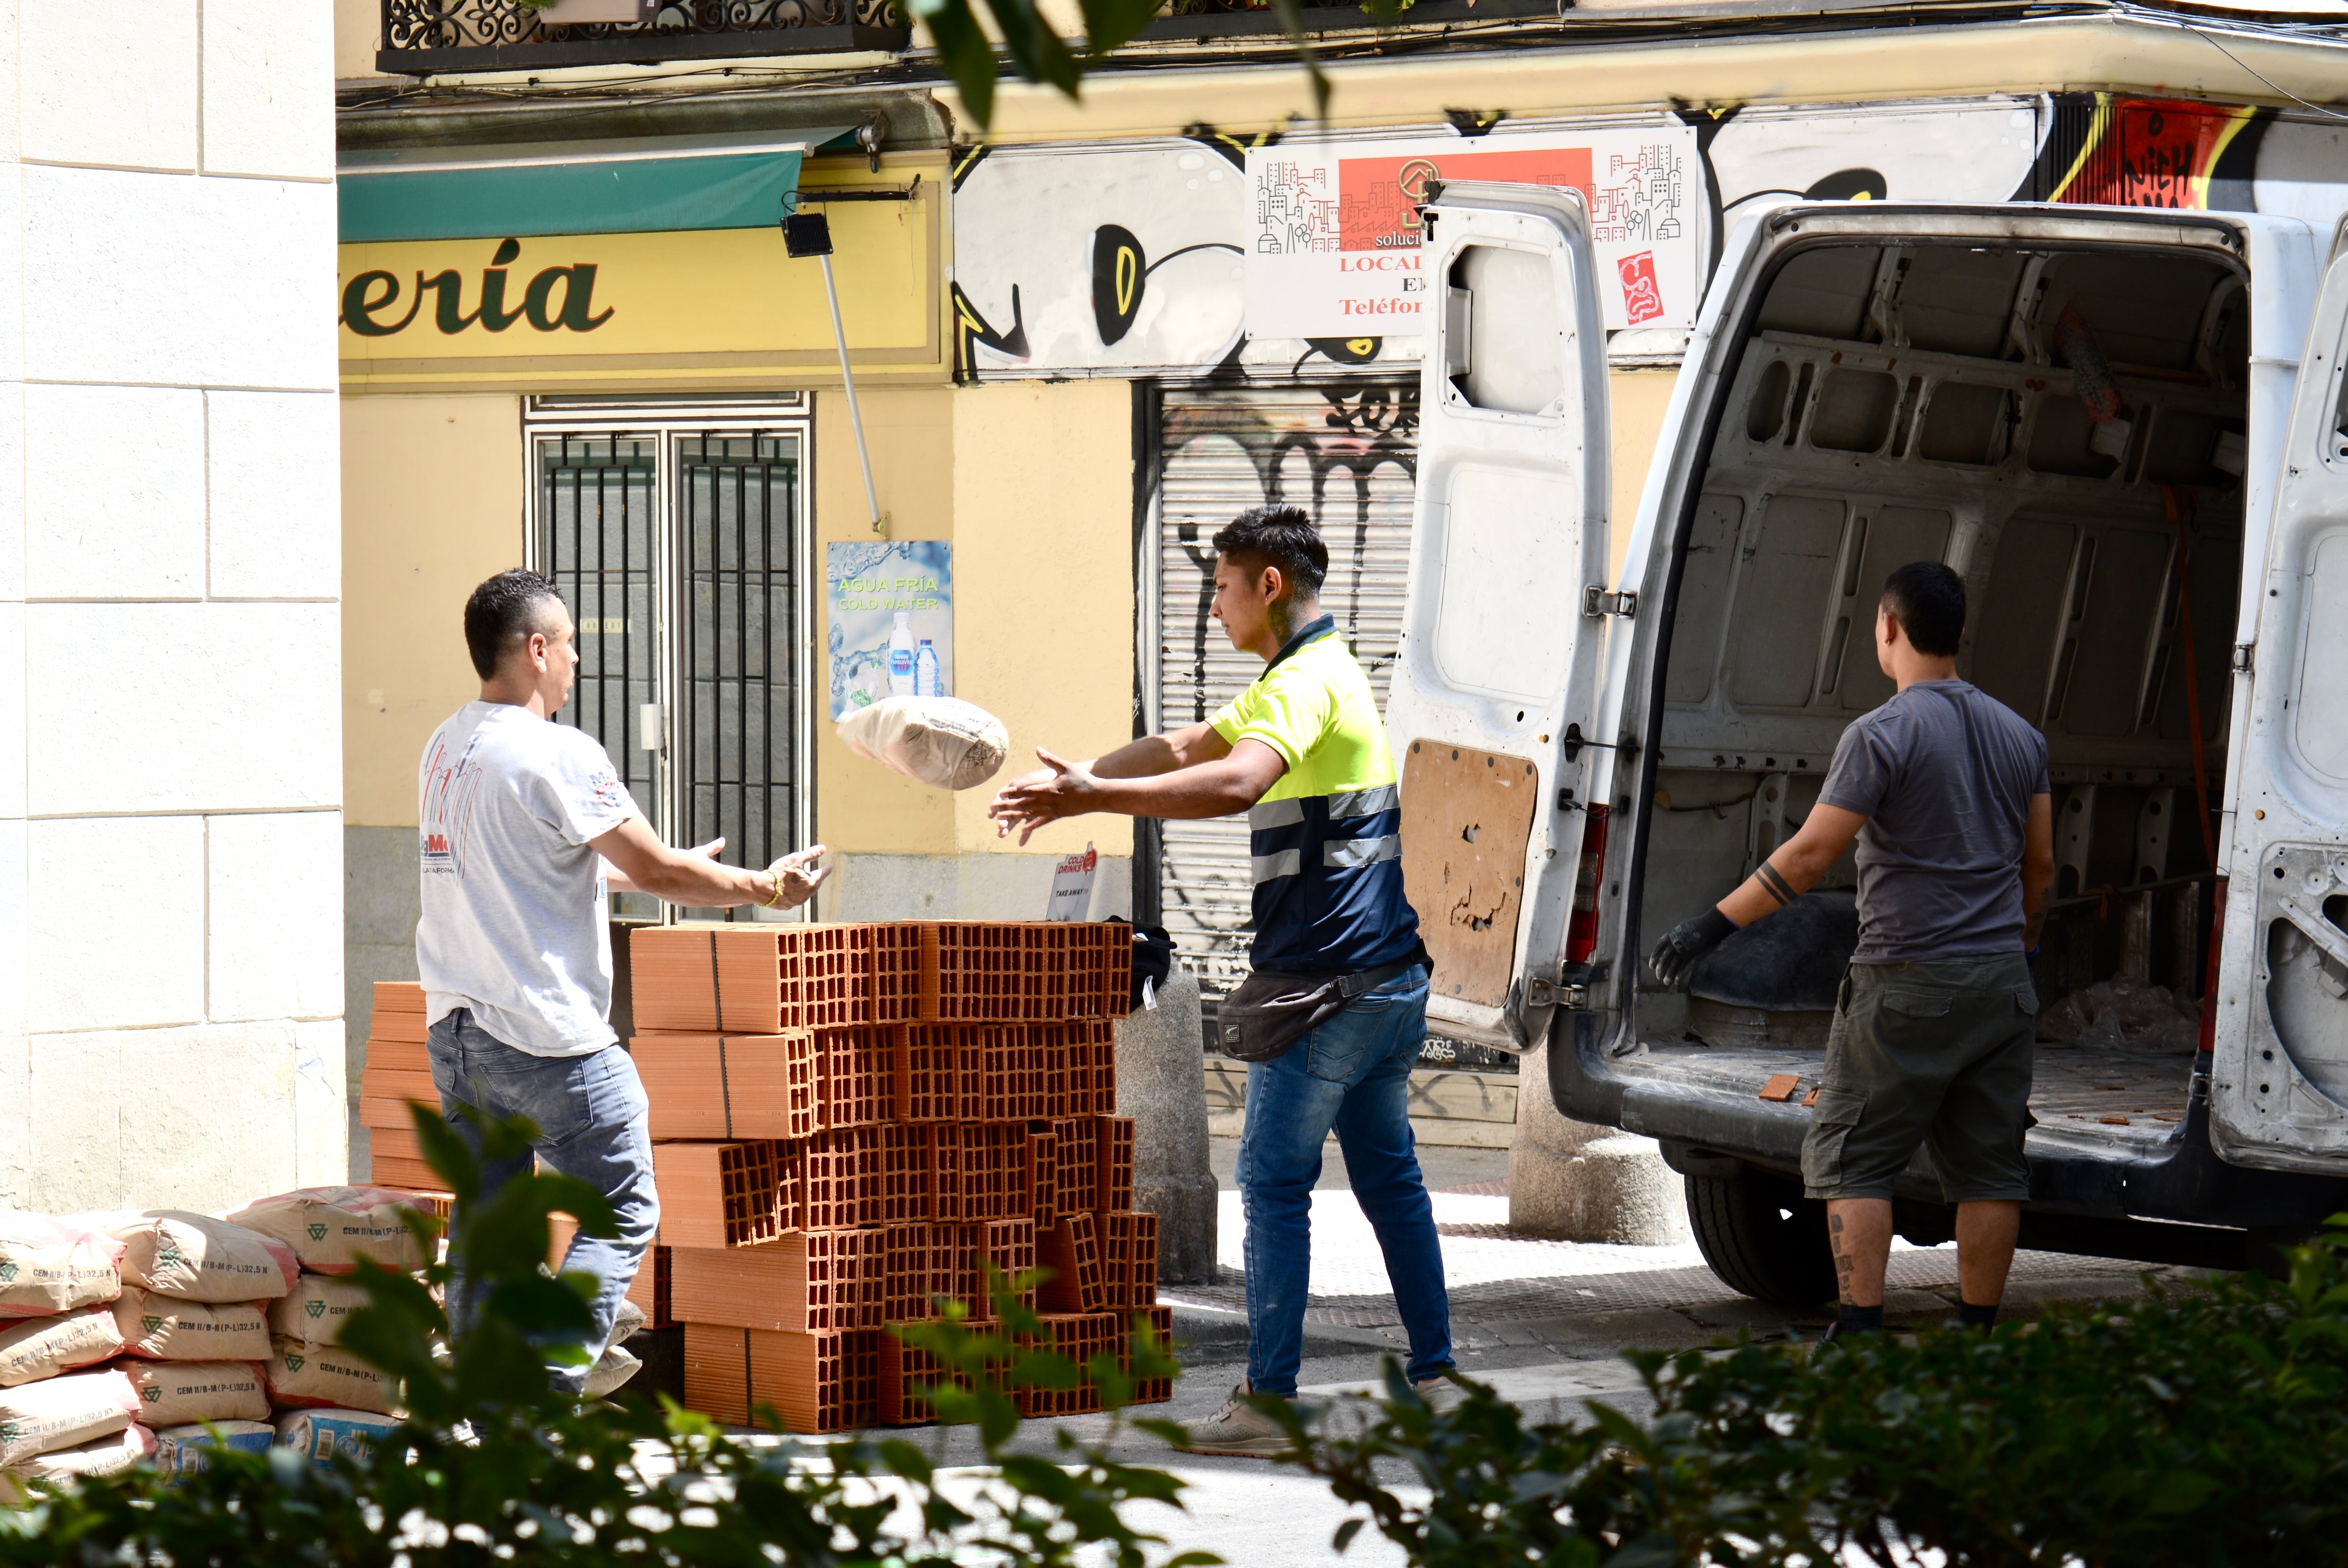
425,36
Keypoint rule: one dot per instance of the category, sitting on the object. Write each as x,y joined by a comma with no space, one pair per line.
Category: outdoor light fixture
807,234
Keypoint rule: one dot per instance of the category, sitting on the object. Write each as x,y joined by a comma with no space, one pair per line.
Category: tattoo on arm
1773,884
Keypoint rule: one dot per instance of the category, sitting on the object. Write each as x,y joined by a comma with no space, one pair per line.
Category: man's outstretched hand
800,875
1058,788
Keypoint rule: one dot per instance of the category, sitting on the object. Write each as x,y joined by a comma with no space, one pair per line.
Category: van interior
2064,426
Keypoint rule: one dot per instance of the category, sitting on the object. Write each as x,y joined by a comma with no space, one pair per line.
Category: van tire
1762,1237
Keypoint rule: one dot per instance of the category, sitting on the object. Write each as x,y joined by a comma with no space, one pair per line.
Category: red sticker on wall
1642,298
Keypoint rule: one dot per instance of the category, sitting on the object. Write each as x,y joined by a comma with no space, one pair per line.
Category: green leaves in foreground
493,1466
2208,1427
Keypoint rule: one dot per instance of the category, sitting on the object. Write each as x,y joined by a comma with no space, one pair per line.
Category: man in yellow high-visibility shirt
1303,753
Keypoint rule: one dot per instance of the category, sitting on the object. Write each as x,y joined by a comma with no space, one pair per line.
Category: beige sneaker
1441,1394
1238,1429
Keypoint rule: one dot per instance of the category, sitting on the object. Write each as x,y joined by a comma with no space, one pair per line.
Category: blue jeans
1350,1074
594,1124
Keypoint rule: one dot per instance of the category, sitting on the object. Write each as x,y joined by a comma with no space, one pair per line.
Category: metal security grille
1343,451
739,501
598,539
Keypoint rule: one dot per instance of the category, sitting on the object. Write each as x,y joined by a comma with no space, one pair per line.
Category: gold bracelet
771,903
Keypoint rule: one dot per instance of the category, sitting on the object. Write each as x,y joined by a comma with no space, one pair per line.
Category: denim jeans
593,1124
1350,1074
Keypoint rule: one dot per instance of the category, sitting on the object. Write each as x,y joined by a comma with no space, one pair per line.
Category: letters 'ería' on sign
557,298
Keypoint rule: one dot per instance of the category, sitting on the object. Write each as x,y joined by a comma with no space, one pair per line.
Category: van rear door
2279,1077
1493,687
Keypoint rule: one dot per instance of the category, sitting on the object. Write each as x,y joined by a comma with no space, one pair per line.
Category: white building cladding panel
1342,449
169,701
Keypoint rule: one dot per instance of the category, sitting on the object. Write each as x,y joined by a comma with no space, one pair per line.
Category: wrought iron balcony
425,37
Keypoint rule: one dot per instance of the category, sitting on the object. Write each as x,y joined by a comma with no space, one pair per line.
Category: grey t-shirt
1943,773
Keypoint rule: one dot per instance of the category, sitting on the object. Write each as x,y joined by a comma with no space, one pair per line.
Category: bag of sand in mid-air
943,741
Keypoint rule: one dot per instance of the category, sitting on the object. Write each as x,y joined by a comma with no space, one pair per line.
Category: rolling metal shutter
1346,451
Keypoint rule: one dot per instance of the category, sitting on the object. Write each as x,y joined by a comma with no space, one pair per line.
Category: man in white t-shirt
519,816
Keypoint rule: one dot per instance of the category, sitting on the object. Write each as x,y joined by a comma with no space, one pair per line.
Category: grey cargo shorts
1937,1053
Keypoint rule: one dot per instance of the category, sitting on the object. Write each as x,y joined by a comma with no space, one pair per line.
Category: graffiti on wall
1129,256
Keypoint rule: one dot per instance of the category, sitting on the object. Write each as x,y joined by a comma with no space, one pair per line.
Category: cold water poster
867,587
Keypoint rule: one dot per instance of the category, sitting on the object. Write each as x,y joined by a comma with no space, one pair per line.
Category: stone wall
170,866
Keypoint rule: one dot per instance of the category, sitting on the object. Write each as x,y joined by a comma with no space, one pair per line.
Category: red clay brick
809,1281
649,1289
1071,1250
1113,1162
924,1086
729,1086
904,1371
1039,1186
813,1382
716,1195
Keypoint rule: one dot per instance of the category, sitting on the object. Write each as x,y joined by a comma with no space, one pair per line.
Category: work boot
1239,1429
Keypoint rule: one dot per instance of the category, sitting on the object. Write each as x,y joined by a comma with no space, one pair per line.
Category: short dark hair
1279,535
502,613
1930,600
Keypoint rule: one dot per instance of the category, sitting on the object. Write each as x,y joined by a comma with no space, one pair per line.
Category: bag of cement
102,1455
47,1266
943,741
314,1312
198,1258
174,1392
34,1347
184,1450
321,1435
331,1228
166,1328
327,1377
59,1412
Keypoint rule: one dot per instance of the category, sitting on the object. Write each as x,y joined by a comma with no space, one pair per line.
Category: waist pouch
1271,1011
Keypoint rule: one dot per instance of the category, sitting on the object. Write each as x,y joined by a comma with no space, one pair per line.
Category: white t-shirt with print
516,917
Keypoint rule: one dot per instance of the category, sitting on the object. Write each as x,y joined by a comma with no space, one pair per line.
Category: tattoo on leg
1834,1223
1773,884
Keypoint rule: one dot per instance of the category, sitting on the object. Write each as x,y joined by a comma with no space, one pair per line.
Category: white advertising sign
1333,240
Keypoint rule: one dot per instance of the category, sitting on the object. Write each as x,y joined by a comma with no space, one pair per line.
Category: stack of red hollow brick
397,1071
853,1122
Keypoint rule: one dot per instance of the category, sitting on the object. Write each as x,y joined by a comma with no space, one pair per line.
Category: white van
2164,591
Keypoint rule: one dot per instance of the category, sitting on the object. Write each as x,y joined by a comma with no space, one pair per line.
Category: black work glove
1676,955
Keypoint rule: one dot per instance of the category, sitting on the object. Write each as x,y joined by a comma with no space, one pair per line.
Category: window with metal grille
680,550
740,495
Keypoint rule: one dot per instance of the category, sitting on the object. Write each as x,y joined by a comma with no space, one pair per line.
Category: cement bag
322,1435
165,1328
184,1450
59,1412
320,1375
943,741
331,1228
37,1347
197,1258
102,1455
47,1267
314,1311
174,1392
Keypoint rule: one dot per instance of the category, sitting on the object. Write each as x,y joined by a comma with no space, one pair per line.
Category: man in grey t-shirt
1946,790
523,829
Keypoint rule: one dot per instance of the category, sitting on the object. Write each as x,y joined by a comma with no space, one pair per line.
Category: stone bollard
1161,1083
1586,1183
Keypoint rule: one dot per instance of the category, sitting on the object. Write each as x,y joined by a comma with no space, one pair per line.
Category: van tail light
1581,933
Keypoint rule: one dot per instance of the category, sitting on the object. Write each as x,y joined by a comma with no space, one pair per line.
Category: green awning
623,186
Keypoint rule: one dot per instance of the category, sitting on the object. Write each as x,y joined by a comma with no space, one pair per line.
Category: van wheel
1762,1237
